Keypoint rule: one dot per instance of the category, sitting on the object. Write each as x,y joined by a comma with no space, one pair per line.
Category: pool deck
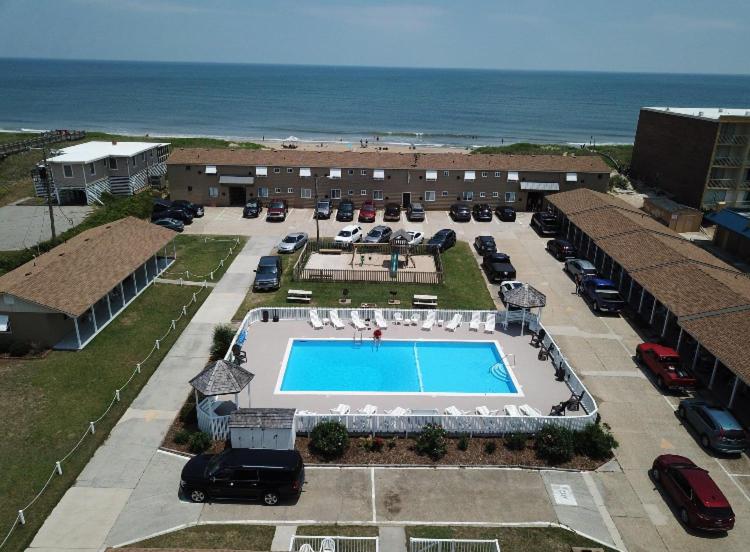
267,343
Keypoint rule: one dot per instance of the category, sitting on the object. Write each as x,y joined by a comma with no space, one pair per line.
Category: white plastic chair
489,323
454,323
315,319
476,320
527,410
380,320
429,321
341,409
357,321
415,319
306,548
368,409
335,320
485,411
398,411
398,318
455,411
511,410
328,545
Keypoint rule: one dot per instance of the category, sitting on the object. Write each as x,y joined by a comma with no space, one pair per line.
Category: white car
349,234
507,286
415,238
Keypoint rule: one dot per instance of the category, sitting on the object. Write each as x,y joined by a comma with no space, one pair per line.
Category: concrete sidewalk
114,478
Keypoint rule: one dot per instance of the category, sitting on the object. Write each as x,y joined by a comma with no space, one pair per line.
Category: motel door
236,195
405,199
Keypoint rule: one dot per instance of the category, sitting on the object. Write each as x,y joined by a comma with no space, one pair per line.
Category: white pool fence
453,545
340,544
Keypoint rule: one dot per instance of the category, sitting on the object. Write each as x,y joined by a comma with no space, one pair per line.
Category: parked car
579,269
196,210
378,234
292,242
442,240
345,212
664,363
277,210
253,208
717,428
498,268
460,212
160,205
172,224
508,285
178,213
482,212
602,295
415,212
392,212
348,235
506,213
699,500
244,474
323,209
545,223
268,274
415,238
561,249
485,245
367,212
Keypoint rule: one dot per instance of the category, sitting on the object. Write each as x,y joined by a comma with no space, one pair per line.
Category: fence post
187,274
173,325
92,428
117,395
221,263
156,344
212,275
21,517
138,367
184,309
182,282
58,467
194,298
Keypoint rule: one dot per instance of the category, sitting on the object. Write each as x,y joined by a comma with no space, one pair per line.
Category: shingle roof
526,297
734,220
262,418
386,160
74,275
221,378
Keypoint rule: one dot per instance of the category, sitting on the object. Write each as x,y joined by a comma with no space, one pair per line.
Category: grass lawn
463,288
201,254
511,539
15,175
257,538
48,402
622,153
338,530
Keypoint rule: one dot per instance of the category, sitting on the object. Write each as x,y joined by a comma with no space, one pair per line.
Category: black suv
545,223
460,212
345,212
482,212
561,249
506,213
244,474
253,208
498,268
442,240
415,212
323,209
194,208
177,213
485,245
392,212
268,273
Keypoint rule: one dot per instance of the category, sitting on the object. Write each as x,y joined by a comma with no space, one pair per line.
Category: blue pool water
452,367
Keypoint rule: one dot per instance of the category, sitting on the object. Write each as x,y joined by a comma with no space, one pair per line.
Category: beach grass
615,155
175,142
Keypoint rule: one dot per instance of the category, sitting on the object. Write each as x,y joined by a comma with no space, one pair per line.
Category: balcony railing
720,183
733,139
728,161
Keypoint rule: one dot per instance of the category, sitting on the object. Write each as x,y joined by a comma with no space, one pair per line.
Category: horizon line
490,69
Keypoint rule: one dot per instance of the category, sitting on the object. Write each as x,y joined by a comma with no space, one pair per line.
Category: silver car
292,242
579,268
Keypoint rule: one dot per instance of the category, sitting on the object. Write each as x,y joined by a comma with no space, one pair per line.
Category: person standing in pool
377,335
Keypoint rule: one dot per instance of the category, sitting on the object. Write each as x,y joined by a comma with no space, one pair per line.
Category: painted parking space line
372,484
732,479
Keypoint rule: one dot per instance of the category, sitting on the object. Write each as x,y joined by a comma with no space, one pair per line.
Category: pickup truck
664,363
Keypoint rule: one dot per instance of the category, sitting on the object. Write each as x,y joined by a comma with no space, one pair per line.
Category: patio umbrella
222,378
525,297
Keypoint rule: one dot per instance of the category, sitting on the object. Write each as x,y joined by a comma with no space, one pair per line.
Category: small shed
676,216
263,428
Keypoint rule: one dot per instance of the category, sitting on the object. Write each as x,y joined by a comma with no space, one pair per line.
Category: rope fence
91,426
210,275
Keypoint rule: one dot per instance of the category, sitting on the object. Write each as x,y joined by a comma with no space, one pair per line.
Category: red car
277,210
367,212
701,503
664,362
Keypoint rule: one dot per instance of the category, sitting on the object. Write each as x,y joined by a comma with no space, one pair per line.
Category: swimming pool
341,366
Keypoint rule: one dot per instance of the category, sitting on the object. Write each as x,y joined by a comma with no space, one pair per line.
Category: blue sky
690,36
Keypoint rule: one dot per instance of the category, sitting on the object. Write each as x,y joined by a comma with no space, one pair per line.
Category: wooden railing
40,140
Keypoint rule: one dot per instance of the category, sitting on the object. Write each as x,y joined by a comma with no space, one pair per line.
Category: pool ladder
497,371
358,340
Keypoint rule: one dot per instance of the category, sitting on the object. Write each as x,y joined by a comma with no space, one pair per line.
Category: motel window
276,170
482,194
262,192
429,196
484,174
513,176
305,193
571,177
261,171
350,193
68,171
431,175
4,324
92,168
497,174
467,196
277,190
495,194
444,193
335,193
190,188
213,191
133,160
211,169
510,197
290,190
304,172
350,172
289,170
378,174
363,172
113,164
469,175
334,173
446,173
377,195
363,192
143,156
714,196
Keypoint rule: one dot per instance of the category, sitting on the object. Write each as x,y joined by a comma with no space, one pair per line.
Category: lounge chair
306,548
341,409
398,318
454,323
380,320
398,411
335,320
454,411
429,322
415,319
476,320
527,410
328,545
357,321
489,323
315,319
511,410
368,409
485,411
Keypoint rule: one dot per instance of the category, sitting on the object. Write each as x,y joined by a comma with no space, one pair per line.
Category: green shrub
223,335
463,443
372,444
595,442
199,442
19,348
182,437
432,441
329,439
555,444
392,443
516,441
490,447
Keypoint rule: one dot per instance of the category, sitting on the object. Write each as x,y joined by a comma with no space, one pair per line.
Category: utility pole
44,175
315,213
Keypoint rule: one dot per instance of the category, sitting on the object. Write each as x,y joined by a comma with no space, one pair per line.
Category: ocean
441,107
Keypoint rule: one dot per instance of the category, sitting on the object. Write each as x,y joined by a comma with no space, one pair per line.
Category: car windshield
345,234
416,208
716,513
375,233
214,464
277,205
290,239
267,269
346,207
611,294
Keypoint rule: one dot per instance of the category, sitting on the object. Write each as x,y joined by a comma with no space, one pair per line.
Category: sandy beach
355,146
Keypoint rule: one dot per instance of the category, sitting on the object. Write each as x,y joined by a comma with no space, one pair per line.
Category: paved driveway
24,226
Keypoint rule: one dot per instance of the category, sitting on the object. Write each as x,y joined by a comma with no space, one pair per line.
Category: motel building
65,297
677,293
224,177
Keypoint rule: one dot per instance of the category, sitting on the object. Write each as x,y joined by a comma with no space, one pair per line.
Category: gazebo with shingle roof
222,378
525,297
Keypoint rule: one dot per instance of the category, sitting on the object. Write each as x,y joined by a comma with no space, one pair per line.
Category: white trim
427,197
376,193
305,193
